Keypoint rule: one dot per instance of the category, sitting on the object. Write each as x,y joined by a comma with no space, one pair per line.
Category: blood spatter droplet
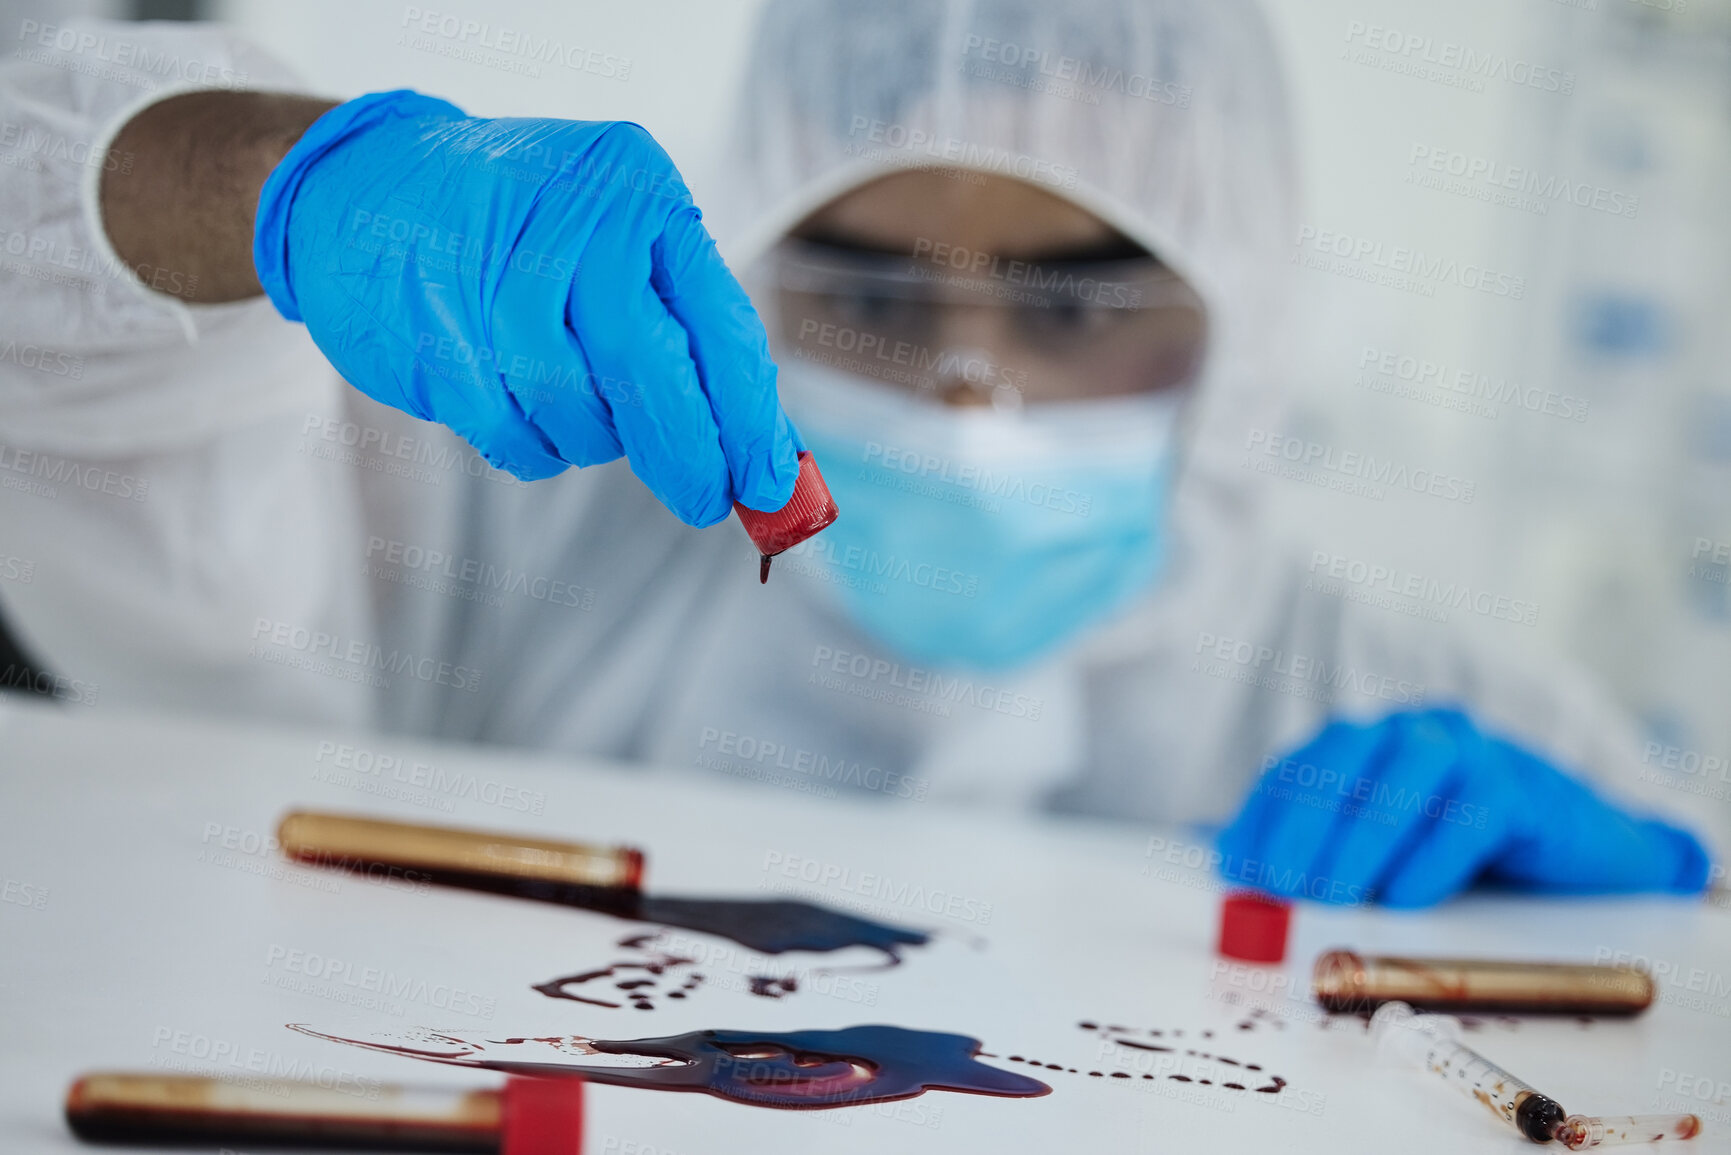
1142,1046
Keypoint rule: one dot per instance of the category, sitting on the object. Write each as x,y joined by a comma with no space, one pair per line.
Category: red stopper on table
809,510
1253,927
541,1116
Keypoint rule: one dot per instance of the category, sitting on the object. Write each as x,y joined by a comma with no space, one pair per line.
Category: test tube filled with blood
1347,982
527,1116
481,860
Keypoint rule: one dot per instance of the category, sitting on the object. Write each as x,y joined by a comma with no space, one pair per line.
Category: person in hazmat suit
1019,265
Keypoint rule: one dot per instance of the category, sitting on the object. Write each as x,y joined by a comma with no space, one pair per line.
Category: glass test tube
1345,981
124,1107
1579,1132
479,859
1433,1042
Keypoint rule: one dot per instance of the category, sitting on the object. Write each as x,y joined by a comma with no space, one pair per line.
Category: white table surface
130,938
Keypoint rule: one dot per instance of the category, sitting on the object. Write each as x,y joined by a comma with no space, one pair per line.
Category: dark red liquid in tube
809,510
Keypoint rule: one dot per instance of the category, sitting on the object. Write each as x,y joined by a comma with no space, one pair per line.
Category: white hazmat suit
217,523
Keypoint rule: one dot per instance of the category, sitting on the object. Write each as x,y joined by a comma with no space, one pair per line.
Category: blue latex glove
545,288
1411,809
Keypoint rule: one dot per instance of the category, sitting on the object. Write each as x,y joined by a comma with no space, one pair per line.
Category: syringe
1433,1042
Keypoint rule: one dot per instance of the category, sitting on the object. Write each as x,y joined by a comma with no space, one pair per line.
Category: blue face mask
981,538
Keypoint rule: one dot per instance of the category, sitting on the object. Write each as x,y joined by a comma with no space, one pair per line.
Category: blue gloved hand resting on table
1409,810
545,288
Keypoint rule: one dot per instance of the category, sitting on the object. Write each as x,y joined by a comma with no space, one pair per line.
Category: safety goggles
1044,331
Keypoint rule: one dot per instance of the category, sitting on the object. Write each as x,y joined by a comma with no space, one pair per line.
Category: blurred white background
1609,524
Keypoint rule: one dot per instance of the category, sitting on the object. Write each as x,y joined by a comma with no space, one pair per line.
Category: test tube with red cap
527,1116
809,510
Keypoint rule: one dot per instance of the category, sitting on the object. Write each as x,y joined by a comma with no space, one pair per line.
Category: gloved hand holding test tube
1433,1042
580,312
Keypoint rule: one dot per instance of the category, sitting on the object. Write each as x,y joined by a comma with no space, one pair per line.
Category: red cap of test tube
1253,927
541,1116
809,510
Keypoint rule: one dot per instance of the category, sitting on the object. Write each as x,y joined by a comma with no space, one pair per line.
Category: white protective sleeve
150,484
93,358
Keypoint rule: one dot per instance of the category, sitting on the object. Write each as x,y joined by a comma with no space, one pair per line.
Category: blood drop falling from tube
809,510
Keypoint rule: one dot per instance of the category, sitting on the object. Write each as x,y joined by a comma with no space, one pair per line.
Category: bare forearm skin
183,213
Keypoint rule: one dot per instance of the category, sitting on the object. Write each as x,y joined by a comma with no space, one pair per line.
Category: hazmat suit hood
1165,118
